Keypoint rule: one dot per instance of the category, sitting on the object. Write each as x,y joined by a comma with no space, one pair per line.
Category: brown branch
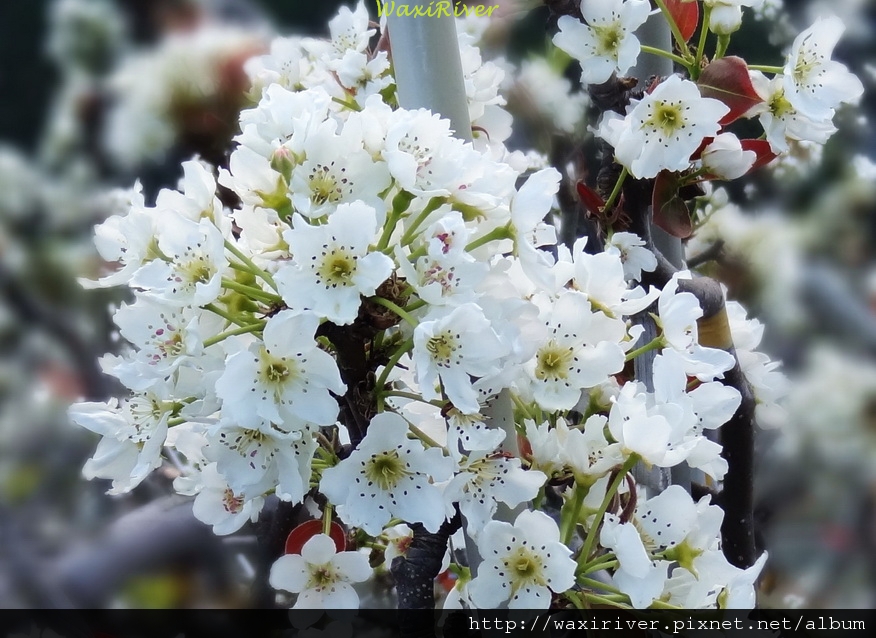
415,574
737,435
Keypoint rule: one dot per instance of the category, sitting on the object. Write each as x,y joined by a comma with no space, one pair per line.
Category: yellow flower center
553,362
608,39
385,470
442,347
338,268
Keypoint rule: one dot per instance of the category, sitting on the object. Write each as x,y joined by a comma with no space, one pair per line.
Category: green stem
350,104
413,397
327,519
406,346
597,566
416,254
250,291
518,403
574,513
600,514
386,303
676,32
433,205
723,43
234,250
615,193
425,438
621,602
596,584
388,228
216,310
654,344
502,232
666,54
701,47
415,305
231,333
763,68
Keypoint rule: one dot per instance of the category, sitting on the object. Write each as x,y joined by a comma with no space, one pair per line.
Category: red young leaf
670,212
726,79
590,198
686,16
308,529
762,149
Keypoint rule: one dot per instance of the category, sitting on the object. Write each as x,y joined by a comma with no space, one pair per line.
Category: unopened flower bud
726,159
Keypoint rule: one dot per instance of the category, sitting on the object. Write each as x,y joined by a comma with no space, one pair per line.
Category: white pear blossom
485,479
284,379
321,575
634,256
678,314
814,84
714,583
133,431
781,120
337,169
606,43
166,337
218,505
523,563
578,349
388,476
453,348
236,371
642,431
257,459
602,278
190,265
669,522
663,129
333,266
588,454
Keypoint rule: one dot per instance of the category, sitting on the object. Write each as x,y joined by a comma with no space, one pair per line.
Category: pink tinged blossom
217,504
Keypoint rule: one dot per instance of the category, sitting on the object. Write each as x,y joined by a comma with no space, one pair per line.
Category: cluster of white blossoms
347,67
674,127
382,283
